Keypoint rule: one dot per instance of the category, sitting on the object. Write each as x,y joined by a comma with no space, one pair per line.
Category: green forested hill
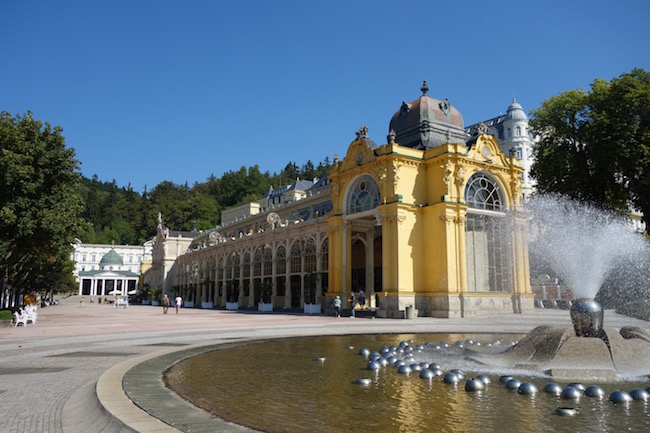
127,217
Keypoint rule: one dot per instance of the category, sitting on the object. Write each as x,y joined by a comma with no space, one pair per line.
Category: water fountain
584,246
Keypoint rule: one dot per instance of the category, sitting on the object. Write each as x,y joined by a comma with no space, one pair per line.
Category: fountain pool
310,385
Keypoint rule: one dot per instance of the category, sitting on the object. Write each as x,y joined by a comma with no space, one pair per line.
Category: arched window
247,266
482,192
268,261
296,258
310,256
518,131
257,263
363,195
488,237
324,255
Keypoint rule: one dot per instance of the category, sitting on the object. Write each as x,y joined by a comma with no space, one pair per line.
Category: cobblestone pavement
48,370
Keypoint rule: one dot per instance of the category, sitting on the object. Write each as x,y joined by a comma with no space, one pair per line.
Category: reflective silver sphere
451,378
373,365
363,381
639,394
426,374
364,352
587,317
513,384
404,369
553,388
483,378
566,411
620,397
571,392
595,391
474,385
527,388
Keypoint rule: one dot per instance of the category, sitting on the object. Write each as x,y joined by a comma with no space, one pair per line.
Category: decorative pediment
360,151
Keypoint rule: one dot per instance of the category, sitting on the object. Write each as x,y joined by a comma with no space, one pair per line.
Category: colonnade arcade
287,272
107,285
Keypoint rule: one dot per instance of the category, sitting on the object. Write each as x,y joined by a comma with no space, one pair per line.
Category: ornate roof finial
424,88
391,137
363,132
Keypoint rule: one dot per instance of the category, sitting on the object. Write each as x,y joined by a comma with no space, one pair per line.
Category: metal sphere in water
587,317
320,359
474,385
570,393
383,362
553,389
435,365
505,379
579,386
399,363
451,378
595,391
527,388
483,378
639,394
404,369
459,373
416,367
363,381
620,397
364,352
437,371
373,365
459,345
513,384
566,411
426,374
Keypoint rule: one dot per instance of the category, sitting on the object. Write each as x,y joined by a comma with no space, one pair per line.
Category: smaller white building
87,257
111,279
107,270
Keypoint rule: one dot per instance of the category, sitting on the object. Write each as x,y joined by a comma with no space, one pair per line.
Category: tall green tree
595,145
39,205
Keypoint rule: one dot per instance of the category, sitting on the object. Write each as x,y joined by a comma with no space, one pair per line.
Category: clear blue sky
148,91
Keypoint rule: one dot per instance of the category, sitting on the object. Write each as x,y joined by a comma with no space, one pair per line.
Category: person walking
165,303
337,306
178,302
353,301
362,299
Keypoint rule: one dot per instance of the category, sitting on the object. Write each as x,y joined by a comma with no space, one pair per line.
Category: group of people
353,302
178,302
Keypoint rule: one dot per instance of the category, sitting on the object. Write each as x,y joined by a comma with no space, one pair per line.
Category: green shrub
6,315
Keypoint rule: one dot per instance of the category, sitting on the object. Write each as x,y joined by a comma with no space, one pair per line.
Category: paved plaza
66,373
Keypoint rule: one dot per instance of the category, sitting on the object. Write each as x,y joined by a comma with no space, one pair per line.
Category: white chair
19,319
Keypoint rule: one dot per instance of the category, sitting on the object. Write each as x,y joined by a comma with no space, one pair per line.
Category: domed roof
111,258
515,111
427,122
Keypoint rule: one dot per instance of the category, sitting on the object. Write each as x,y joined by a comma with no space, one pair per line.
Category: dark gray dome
427,122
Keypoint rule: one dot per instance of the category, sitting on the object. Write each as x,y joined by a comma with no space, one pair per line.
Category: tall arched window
310,256
268,261
363,195
488,241
257,262
518,131
296,258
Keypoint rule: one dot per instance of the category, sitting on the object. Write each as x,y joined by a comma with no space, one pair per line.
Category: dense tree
595,145
125,217
39,205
